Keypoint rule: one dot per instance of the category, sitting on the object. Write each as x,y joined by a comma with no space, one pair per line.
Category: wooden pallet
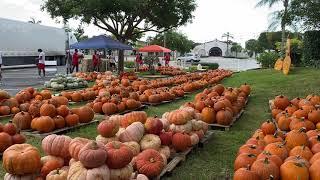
124,112
164,102
57,131
178,158
81,102
226,127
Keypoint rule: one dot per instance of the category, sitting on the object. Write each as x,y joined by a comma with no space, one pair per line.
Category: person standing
138,57
112,63
0,67
75,61
167,59
68,61
41,62
96,60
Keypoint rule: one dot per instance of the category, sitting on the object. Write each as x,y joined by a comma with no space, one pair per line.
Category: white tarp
24,39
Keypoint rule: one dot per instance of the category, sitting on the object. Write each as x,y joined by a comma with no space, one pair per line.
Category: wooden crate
57,131
163,102
177,158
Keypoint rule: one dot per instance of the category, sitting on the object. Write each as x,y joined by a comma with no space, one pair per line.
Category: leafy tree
34,21
253,47
236,48
78,33
307,11
125,18
267,40
284,15
174,41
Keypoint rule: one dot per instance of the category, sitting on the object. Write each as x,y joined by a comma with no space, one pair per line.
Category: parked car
189,57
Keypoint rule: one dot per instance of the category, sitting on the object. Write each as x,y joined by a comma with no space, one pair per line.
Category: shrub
311,53
129,64
268,59
211,66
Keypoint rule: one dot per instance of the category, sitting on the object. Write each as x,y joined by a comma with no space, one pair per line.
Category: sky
212,18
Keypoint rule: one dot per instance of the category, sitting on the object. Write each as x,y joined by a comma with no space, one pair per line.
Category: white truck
19,42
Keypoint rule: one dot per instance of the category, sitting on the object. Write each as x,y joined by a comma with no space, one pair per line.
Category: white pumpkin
194,139
165,115
104,140
150,141
78,172
121,174
198,116
134,147
8,176
166,124
186,128
165,160
133,132
196,125
165,150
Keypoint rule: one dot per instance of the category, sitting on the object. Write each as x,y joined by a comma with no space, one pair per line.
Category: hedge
311,49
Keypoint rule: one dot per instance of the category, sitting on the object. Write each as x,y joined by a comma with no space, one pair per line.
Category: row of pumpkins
288,148
296,113
132,146
62,82
46,116
219,105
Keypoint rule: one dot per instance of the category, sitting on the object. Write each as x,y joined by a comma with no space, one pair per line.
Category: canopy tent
100,42
154,48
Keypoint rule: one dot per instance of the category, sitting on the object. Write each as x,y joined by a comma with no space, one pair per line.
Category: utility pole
228,36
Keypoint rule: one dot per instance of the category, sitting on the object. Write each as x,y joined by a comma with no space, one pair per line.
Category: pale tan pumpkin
58,174
165,150
133,132
196,125
165,124
104,140
134,147
194,139
185,128
78,172
56,145
121,174
150,141
179,117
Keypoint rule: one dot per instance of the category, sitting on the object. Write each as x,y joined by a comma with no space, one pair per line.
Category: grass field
215,160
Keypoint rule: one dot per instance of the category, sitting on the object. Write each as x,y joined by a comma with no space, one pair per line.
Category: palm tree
236,48
34,21
283,15
228,36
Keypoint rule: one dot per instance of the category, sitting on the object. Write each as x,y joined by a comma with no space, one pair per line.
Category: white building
216,48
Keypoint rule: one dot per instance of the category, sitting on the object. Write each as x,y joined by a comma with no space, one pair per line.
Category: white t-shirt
0,58
42,57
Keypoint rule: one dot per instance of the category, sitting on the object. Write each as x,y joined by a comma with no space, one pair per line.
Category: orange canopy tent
154,48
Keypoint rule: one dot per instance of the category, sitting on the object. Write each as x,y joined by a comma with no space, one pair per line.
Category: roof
154,48
100,42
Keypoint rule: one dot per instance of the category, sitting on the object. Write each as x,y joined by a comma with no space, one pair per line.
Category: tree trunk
120,61
283,28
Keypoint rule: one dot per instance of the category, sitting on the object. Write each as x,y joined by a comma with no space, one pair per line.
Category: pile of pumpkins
63,82
47,115
132,146
90,76
80,95
10,135
170,70
296,113
219,105
272,154
161,94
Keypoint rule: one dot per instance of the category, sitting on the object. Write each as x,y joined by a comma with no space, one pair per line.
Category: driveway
233,63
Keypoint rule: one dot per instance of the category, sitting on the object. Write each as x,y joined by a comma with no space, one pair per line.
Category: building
212,48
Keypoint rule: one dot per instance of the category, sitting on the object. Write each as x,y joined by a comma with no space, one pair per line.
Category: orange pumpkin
10,128
136,116
46,94
314,170
245,174
21,159
208,115
75,146
281,102
48,110
109,108
302,151
97,107
89,153
264,168
50,166
63,110
268,128
296,138
119,155
5,110
5,141
224,117
43,124
85,114
22,120
72,120
243,160
108,128
59,122
278,149
76,97
181,142
149,163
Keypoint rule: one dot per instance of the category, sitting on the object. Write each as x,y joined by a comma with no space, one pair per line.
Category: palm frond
269,3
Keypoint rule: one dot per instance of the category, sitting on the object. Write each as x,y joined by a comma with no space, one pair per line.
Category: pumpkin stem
248,167
116,145
271,177
303,129
266,160
94,145
252,155
152,160
298,164
58,171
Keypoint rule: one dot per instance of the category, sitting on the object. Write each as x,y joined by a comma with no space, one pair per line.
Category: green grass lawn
215,160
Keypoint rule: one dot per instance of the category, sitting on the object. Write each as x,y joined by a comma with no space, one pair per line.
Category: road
13,80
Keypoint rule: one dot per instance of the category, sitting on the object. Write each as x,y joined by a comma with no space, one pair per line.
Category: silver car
189,57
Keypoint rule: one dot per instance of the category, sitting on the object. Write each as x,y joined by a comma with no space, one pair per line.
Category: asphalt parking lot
13,80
